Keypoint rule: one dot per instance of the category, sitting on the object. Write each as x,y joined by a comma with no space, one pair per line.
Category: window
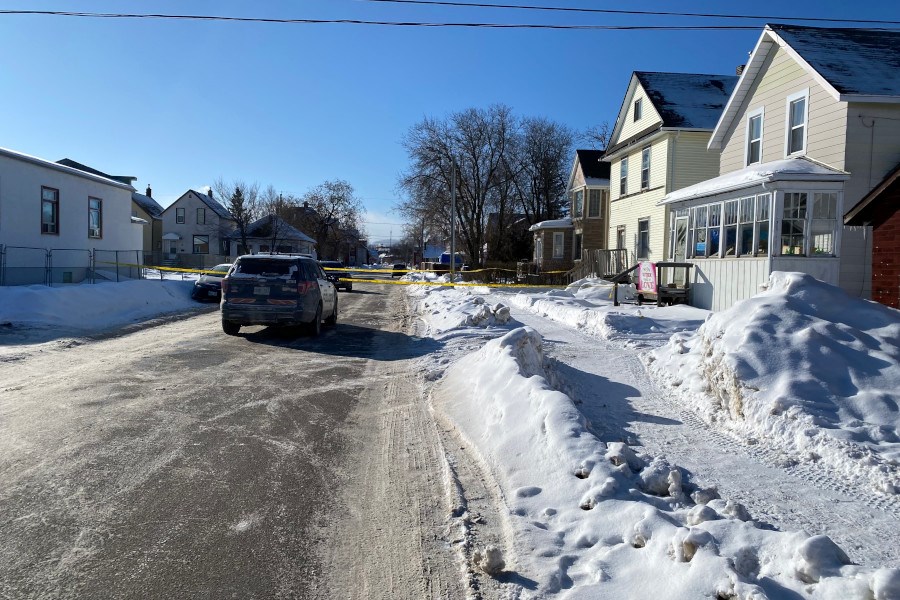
715,220
745,228
645,168
578,205
763,201
793,224
623,177
823,224
620,237
595,199
179,215
201,216
578,238
796,125
699,231
49,210
638,109
95,217
558,241
201,244
730,228
643,241
754,137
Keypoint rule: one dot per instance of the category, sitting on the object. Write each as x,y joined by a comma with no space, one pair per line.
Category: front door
681,229
173,249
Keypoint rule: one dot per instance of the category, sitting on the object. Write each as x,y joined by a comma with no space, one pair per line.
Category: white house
271,233
70,212
195,231
813,124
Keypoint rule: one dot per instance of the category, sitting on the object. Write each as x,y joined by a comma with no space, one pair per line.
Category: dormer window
796,122
638,109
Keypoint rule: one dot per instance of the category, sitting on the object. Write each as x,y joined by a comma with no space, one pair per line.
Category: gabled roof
260,228
217,208
787,169
592,165
682,100
565,223
150,206
63,168
852,65
865,209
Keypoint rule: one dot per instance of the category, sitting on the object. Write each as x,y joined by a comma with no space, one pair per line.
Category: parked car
277,290
335,276
399,270
210,284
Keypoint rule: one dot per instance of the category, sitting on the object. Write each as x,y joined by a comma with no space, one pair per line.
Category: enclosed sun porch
738,228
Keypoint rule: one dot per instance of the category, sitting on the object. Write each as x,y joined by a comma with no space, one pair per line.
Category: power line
384,23
628,12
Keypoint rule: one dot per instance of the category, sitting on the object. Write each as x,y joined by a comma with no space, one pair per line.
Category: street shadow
360,292
348,340
517,579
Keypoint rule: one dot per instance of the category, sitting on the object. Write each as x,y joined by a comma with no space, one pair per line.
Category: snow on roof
149,205
688,100
139,221
796,169
862,62
261,228
63,168
555,224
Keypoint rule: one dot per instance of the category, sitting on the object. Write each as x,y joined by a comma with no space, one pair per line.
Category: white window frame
578,203
559,244
638,109
761,113
645,154
599,198
804,95
179,216
639,246
201,216
623,176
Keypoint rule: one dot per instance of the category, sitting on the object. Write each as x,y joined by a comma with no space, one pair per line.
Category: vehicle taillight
224,286
305,286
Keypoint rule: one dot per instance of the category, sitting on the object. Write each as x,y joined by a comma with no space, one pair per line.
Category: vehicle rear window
265,267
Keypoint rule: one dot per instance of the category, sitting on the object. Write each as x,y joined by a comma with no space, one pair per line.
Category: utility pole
453,220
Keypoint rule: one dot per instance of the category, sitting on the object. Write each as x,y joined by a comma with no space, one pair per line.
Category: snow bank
449,308
591,520
92,307
805,366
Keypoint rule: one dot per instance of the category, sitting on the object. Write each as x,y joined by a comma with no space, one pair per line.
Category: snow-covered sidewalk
611,485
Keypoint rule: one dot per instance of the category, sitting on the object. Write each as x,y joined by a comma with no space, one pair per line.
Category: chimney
739,69
305,204
149,193
209,193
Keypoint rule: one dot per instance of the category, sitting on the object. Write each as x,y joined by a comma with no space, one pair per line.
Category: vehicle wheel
314,327
349,287
333,318
231,328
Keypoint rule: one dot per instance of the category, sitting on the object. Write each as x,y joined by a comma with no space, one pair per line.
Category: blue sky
181,103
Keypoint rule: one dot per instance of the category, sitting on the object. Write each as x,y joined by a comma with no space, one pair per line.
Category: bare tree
242,201
277,209
544,157
597,137
330,213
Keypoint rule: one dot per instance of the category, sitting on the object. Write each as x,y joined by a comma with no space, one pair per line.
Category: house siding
826,126
20,209
215,227
690,161
649,116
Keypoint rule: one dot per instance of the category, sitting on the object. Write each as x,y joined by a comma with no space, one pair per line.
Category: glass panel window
699,235
49,210
620,237
730,229
558,241
638,109
201,244
754,139
578,205
95,217
179,215
201,216
824,223
715,220
623,177
645,168
578,238
793,224
643,241
594,202
763,203
745,227
796,125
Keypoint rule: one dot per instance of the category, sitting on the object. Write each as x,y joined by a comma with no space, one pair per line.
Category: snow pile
803,365
587,304
92,307
452,308
594,520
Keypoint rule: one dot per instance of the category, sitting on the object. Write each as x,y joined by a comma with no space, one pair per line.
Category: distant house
553,245
70,211
658,145
880,210
588,193
196,231
812,126
272,234
146,208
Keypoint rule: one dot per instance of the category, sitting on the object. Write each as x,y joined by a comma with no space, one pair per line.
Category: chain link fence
21,265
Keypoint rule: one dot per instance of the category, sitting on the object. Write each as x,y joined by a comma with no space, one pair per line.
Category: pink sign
646,277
